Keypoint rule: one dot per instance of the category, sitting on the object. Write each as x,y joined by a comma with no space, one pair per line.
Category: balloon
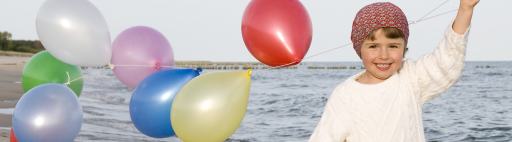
277,32
12,136
74,31
210,107
150,105
44,68
47,113
139,52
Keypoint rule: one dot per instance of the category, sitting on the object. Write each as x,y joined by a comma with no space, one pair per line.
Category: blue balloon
47,113
150,105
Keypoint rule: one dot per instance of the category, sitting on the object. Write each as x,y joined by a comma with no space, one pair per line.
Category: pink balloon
138,52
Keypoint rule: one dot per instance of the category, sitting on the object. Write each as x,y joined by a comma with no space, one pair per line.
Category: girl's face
382,57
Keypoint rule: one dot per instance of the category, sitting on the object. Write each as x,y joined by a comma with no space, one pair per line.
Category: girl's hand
468,4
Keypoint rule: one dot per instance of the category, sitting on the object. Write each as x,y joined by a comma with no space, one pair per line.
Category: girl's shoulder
344,88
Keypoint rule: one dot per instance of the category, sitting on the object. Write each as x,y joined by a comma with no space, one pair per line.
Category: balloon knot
249,72
157,66
111,66
69,79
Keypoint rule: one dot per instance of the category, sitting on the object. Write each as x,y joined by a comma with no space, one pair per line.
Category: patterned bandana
375,16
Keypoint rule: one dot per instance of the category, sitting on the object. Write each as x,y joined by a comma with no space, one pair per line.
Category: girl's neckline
355,77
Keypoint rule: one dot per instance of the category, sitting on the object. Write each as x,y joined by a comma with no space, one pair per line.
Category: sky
210,30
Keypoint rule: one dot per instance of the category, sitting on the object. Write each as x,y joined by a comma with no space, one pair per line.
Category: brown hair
389,32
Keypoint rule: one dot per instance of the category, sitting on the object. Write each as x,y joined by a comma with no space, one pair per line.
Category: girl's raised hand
468,4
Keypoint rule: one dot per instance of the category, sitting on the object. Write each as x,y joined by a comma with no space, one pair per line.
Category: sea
286,104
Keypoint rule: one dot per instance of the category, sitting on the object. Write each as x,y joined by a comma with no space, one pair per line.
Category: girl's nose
383,53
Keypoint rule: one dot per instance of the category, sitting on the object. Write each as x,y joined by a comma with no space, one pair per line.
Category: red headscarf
375,16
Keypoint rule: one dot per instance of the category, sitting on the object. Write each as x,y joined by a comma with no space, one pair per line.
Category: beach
286,104
11,67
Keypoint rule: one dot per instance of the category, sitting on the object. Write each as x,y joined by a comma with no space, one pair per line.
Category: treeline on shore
8,44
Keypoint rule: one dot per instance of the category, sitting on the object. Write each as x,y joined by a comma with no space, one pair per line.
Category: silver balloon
74,31
47,113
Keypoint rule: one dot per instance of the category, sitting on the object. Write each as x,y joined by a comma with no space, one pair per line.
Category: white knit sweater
391,111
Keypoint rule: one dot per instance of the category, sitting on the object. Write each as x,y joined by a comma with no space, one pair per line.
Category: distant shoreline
243,65
15,53
28,54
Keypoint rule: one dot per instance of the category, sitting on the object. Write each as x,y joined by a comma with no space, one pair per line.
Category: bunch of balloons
49,109
75,34
210,107
195,108
142,58
166,101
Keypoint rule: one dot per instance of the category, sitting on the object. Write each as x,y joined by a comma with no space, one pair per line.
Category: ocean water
286,105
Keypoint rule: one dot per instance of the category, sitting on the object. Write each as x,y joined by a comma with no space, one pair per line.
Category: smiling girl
384,102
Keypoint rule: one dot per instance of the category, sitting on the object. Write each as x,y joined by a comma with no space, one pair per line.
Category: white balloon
75,32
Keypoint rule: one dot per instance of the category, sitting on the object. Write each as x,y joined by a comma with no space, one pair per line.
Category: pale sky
211,29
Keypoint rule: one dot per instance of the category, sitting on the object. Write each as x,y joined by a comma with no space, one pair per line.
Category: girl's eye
393,46
372,46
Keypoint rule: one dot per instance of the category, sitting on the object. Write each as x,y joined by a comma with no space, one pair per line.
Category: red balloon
277,32
13,137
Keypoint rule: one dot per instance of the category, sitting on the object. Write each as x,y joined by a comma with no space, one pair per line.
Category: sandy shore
10,90
10,73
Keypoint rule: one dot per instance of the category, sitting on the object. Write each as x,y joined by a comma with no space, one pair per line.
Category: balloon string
76,79
311,56
440,14
423,18
284,65
112,66
69,79
431,11
328,50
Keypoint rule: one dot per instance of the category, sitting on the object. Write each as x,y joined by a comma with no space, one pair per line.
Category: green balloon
44,68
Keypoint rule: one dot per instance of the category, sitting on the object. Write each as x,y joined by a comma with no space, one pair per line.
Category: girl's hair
389,32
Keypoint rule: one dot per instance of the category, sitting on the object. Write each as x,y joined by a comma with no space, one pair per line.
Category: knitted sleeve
437,71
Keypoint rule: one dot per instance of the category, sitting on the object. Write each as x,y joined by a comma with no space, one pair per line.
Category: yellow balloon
210,107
